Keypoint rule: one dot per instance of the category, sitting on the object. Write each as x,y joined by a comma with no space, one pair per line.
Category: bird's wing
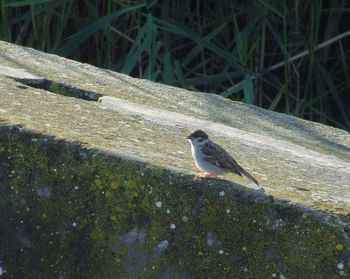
217,155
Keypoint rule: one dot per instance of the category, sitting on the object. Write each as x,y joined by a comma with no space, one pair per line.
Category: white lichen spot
1,271
228,211
222,193
74,224
34,140
277,224
160,248
159,204
185,218
282,276
340,265
254,221
173,226
163,245
76,188
129,238
273,275
168,211
221,252
212,240
43,192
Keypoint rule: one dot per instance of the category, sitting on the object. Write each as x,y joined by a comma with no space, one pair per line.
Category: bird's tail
248,175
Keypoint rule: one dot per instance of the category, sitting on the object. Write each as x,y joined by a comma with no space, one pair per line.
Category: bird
212,159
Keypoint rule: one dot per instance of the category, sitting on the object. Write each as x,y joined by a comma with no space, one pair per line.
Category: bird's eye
200,140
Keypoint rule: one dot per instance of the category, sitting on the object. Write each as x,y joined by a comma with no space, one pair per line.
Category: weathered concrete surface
105,186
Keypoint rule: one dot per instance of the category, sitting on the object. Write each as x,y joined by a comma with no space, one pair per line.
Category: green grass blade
199,47
234,89
180,75
139,46
77,39
168,68
268,5
344,111
248,90
214,78
27,3
177,28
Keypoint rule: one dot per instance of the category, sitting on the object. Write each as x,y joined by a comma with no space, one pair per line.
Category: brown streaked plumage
196,134
212,158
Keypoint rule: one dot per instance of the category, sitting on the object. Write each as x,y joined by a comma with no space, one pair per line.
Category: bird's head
197,137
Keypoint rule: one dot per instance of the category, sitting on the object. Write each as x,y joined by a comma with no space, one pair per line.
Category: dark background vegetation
284,55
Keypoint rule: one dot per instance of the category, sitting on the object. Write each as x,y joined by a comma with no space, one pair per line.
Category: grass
288,56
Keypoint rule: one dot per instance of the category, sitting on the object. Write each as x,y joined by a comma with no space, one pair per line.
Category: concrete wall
106,189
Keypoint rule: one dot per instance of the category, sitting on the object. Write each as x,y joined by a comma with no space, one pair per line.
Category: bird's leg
205,175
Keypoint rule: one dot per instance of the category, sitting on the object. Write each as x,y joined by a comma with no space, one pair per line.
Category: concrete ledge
106,189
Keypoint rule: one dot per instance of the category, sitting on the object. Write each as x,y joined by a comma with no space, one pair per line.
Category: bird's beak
189,137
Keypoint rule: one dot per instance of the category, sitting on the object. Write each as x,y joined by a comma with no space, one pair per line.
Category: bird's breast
201,162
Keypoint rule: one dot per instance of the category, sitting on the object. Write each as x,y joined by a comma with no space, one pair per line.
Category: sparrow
212,159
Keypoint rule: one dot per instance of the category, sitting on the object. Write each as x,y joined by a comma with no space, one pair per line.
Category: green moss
79,213
59,89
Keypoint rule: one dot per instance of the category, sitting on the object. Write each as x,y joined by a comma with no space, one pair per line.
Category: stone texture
113,180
